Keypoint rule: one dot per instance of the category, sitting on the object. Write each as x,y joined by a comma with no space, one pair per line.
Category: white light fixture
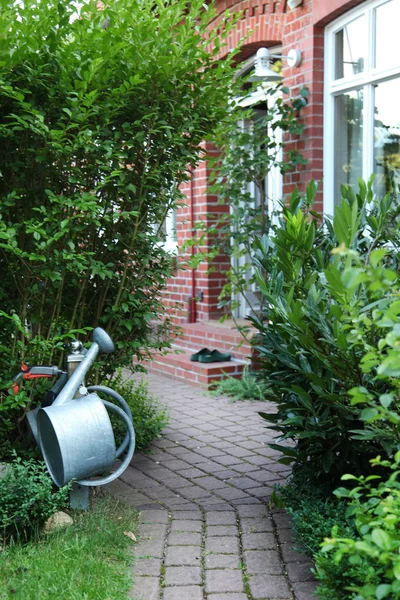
263,72
294,3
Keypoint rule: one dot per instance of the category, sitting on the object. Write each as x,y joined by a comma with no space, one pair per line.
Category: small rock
57,521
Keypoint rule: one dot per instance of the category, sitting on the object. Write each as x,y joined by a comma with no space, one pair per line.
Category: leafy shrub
247,387
102,117
149,416
27,499
373,552
319,322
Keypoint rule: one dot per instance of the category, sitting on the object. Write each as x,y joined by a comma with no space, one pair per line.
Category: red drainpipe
192,297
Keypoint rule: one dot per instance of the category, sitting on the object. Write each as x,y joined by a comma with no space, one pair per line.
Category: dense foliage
27,499
102,113
320,321
365,566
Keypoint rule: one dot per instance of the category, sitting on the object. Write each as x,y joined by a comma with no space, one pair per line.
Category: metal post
79,497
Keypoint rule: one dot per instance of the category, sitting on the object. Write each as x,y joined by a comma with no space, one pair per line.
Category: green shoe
196,357
214,356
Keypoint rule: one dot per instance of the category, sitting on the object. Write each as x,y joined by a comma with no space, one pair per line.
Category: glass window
348,138
350,49
362,87
387,19
387,137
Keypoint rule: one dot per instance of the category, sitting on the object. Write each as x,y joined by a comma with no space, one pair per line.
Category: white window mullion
329,146
368,132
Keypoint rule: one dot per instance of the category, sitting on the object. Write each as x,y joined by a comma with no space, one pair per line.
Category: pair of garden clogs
207,356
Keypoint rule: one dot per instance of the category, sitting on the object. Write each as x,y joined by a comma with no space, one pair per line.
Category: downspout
192,298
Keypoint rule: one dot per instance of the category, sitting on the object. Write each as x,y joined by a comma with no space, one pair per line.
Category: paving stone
222,561
246,468
192,592
209,438
268,586
227,460
243,483
217,504
258,541
252,511
182,576
192,515
189,556
299,572
304,590
150,548
221,580
220,518
222,444
210,467
154,516
286,536
256,524
227,597
147,566
210,483
192,443
250,444
210,452
261,492
231,493
222,545
183,525
217,530
290,554
194,492
243,501
145,588
184,539
225,474
190,473
152,532
260,562
239,452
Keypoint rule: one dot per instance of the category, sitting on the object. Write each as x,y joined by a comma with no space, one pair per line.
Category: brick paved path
206,531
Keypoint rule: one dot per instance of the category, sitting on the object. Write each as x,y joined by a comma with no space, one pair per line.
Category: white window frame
335,87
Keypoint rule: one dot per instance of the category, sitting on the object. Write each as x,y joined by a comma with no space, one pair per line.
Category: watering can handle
101,343
128,457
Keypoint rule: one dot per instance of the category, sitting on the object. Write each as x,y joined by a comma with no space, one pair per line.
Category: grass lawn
88,561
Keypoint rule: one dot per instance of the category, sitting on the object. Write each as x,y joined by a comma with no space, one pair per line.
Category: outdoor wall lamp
263,72
294,3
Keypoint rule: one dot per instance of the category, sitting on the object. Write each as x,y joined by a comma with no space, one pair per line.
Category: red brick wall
270,22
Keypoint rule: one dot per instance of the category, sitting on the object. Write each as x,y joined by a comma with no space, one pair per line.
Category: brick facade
271,23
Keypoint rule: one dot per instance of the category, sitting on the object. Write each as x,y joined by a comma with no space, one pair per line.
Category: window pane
349,111
350,49
387,19
387,137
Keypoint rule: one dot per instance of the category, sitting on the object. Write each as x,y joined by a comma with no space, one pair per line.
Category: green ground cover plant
89,560
27,499
246,387
319,322
102,116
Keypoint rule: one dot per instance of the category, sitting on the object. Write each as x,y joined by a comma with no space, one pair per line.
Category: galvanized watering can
75,433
